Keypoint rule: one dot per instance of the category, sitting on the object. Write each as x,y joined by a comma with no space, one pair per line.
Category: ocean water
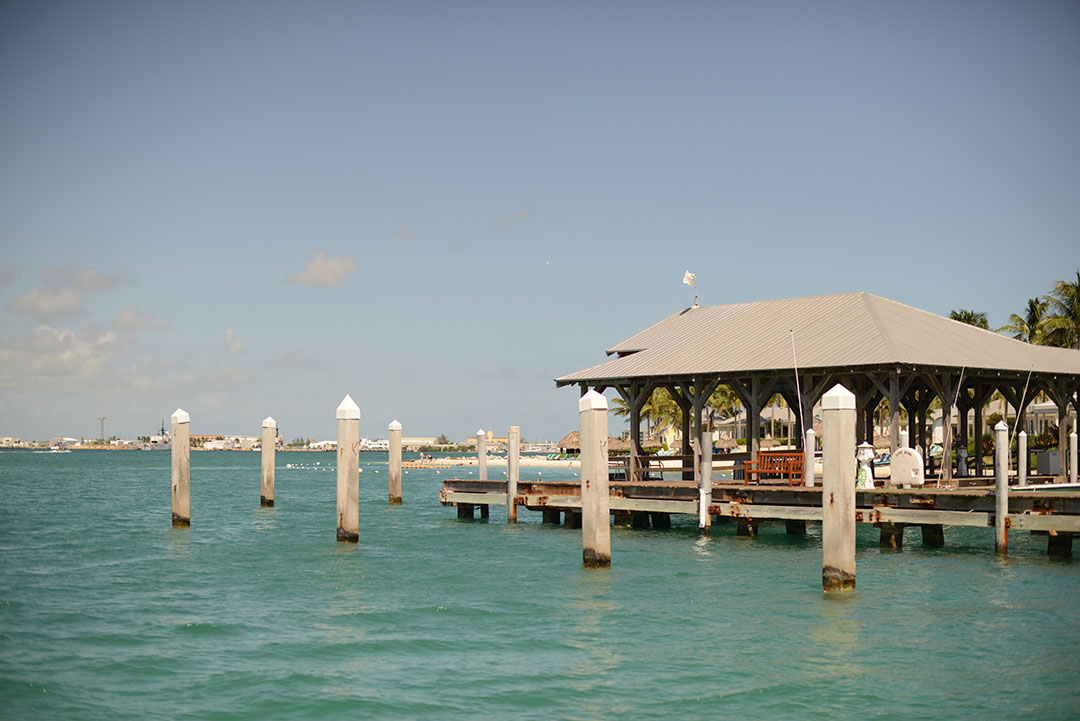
107,612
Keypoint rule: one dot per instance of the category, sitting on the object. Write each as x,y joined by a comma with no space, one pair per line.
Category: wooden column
635,431
753,419
980,402
685,413
1063,439
181,468
269,449
595,514
838,490
703,453
394,462
513,464
962,428
348,471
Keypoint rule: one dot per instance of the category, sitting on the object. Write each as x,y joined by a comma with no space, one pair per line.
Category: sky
254,208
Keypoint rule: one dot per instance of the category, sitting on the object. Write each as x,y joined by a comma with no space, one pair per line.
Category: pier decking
1052,512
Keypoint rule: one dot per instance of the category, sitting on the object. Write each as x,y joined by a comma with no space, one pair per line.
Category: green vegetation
970,317
1052,319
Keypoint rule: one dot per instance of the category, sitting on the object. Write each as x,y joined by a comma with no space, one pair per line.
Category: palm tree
1031,327
970,317
1063,323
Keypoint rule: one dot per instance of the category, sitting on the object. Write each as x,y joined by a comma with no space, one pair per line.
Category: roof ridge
868,299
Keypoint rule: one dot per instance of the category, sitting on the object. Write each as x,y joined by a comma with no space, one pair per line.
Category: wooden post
838,490
181,468
595,515
348,471
1063,426
394,462
1022,458
1001,491
809,449
269,449
513,463
481,455
1072,456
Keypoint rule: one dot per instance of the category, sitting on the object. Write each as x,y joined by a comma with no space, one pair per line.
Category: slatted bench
776,465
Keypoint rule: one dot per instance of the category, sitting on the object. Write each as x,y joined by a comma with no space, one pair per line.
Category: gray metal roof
847,330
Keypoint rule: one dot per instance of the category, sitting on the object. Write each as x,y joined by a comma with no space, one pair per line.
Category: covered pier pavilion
877,348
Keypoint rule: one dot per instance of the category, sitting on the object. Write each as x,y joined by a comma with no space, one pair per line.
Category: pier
651,504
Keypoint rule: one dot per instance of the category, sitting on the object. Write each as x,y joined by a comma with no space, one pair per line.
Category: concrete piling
181,468
809,447
394,435
513,471
1001,490
705,442
348,471
595,514
1021,459
838,490
481,455
269,450
904,438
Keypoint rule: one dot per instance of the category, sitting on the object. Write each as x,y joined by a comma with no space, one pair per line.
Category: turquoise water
108,612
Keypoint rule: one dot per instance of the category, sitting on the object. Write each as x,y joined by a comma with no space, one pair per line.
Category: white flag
688,278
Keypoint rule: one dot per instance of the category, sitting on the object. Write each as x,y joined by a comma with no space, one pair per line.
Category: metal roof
830,331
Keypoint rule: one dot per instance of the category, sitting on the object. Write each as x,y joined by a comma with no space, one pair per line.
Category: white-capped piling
1021,458
481,455
904,438
705,482
394,433
1072,457
595,506
513,464
1001,487
269,448
181,468
809,449
838,490
348,471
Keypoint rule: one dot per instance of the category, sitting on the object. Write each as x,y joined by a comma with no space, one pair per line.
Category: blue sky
253,208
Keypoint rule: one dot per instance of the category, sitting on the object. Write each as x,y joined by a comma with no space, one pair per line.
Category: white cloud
404,232
459,247
64,292
232,345
230,375
131,319
295,360
7,274
47,304
323,271
58,358
518,216
84,279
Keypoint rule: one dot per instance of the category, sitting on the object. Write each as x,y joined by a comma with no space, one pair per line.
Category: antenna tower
101,414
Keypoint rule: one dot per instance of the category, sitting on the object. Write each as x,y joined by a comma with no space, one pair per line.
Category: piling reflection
837,634
597,659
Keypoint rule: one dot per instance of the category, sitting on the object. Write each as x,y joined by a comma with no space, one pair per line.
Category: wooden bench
775,465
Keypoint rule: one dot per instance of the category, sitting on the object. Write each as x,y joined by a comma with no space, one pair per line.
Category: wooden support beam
892,536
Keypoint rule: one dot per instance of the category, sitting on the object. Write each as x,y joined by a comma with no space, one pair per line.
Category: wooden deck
1056,512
